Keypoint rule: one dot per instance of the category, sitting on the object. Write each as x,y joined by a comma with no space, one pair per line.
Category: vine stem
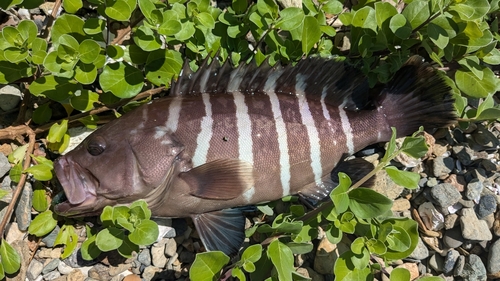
22,181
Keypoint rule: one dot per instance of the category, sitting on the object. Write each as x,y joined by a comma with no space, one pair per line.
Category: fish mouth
80,188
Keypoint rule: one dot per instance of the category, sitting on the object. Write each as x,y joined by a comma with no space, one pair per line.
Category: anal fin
221,179
221,230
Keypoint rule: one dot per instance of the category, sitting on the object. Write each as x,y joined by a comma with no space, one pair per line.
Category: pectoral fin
221,230
222,179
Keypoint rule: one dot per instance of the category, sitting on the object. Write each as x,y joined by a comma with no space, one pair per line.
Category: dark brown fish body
235,137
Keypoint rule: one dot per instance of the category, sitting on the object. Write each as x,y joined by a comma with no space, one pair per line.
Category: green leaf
127,248
94,26
85,73
170,27
358,245
438,35
239,6
42,224
162,66
18,154
391,147
16,172
300,248
40,172
40,202
12,36
3,193
282,258
147,39
400,274
365,18
55,88
206,20
84,101
489,114
339,194
68,237
237,272
89,249
265,209
11,261
207,266
414,147
10,72
57,131
345,270
109,239
384,11
145,233
2,271
417,12
72,6
333,7
89,51
410,227
118,10
115,51
38,57
403,178
268,7
28,30
376,246
399,240
147,7
121,79
493,57
366,203
470,10
400,26
8,4
39,44
311,33
252,253
474,87
333,234
140,209
14,54
186,32
290,18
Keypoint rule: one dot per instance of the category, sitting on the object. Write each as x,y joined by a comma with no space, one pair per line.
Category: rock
52,275
158,254
445,194
450,221
64,268
45,253
326,255
186,257
52,265
99,272
431,217
459,266
457,181
400,205
452,238
496,225
150,272
144,257
421,252
14,233
132,277
442,166
487,205
23,207
473,228
116,270
384,185
474,269
51,237
412,268
75,275
436,262
22,248
170,247
464,154
431,181
10,96
449,261
466,203
34,269
4,165
483,139
493,264
474,189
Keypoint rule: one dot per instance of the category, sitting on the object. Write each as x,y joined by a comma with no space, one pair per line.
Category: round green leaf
145,233
68,24
162,66
438,35
109,239
417,12
345,269
12,36
170,27
11,261
206,20
40,202
384,11
115,51
85,73
252,253
411,228
89,50
55,88
474,87
333,7
94,26
40,172
118,10
10,72
365,18
42,224
121,79
400,274
72,6
42,114
399,26
57,131
290,18
186,32
147,39
28,30
14,54
366,203
89,249
403,178
84,101
207,266
470,10
127,248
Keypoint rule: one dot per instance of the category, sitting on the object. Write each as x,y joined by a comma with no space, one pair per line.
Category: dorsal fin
330,79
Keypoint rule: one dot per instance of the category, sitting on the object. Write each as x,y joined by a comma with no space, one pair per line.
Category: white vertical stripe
282,139
326,113
346,127
244,125
205,135
312,131
174,111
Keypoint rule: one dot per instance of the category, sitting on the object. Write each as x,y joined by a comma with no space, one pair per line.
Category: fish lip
79,186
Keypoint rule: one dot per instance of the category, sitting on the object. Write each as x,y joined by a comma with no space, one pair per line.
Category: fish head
116,166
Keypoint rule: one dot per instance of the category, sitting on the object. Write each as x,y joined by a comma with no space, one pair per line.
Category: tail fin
417,96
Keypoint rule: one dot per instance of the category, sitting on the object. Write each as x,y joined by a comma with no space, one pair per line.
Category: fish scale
229,137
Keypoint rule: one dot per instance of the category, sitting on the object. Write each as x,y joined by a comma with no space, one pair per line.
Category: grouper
228,137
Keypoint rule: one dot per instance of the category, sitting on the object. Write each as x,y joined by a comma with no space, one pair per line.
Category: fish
227,137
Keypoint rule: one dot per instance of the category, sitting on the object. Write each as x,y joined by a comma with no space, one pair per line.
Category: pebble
464,154
474,228
445,194
50,266
132,277
400,205
149,272
46,253
487,205
450,221
449,261
474,269
34,269
158,254
52,275
144,257
436,262
75,275
116,270
14,233
99,272
51,237
431,181
10,96
170,248
457,181
23,207
442,166
431,217
421,252
4,165
459,266
493,264
452,238
64,268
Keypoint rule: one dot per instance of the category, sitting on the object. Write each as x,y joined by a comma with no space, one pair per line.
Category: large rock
474,228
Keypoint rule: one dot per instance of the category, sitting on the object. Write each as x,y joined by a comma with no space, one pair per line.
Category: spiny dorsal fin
335,81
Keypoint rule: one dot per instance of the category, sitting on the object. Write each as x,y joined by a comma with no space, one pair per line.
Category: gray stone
474,228
51,237
4,165
474,269
52,275
493,264
482,138
149,272
474,189
442,166
459,266
421,252
467,203
52,265
23,207
186,257
158,255
452,238
170,247
100,272
487,205
463,153
449,261
10,96
436,263
34,269
445,194
116,270
450,221
64,268
144,257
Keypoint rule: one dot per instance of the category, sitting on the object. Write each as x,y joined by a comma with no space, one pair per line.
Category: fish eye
96,145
